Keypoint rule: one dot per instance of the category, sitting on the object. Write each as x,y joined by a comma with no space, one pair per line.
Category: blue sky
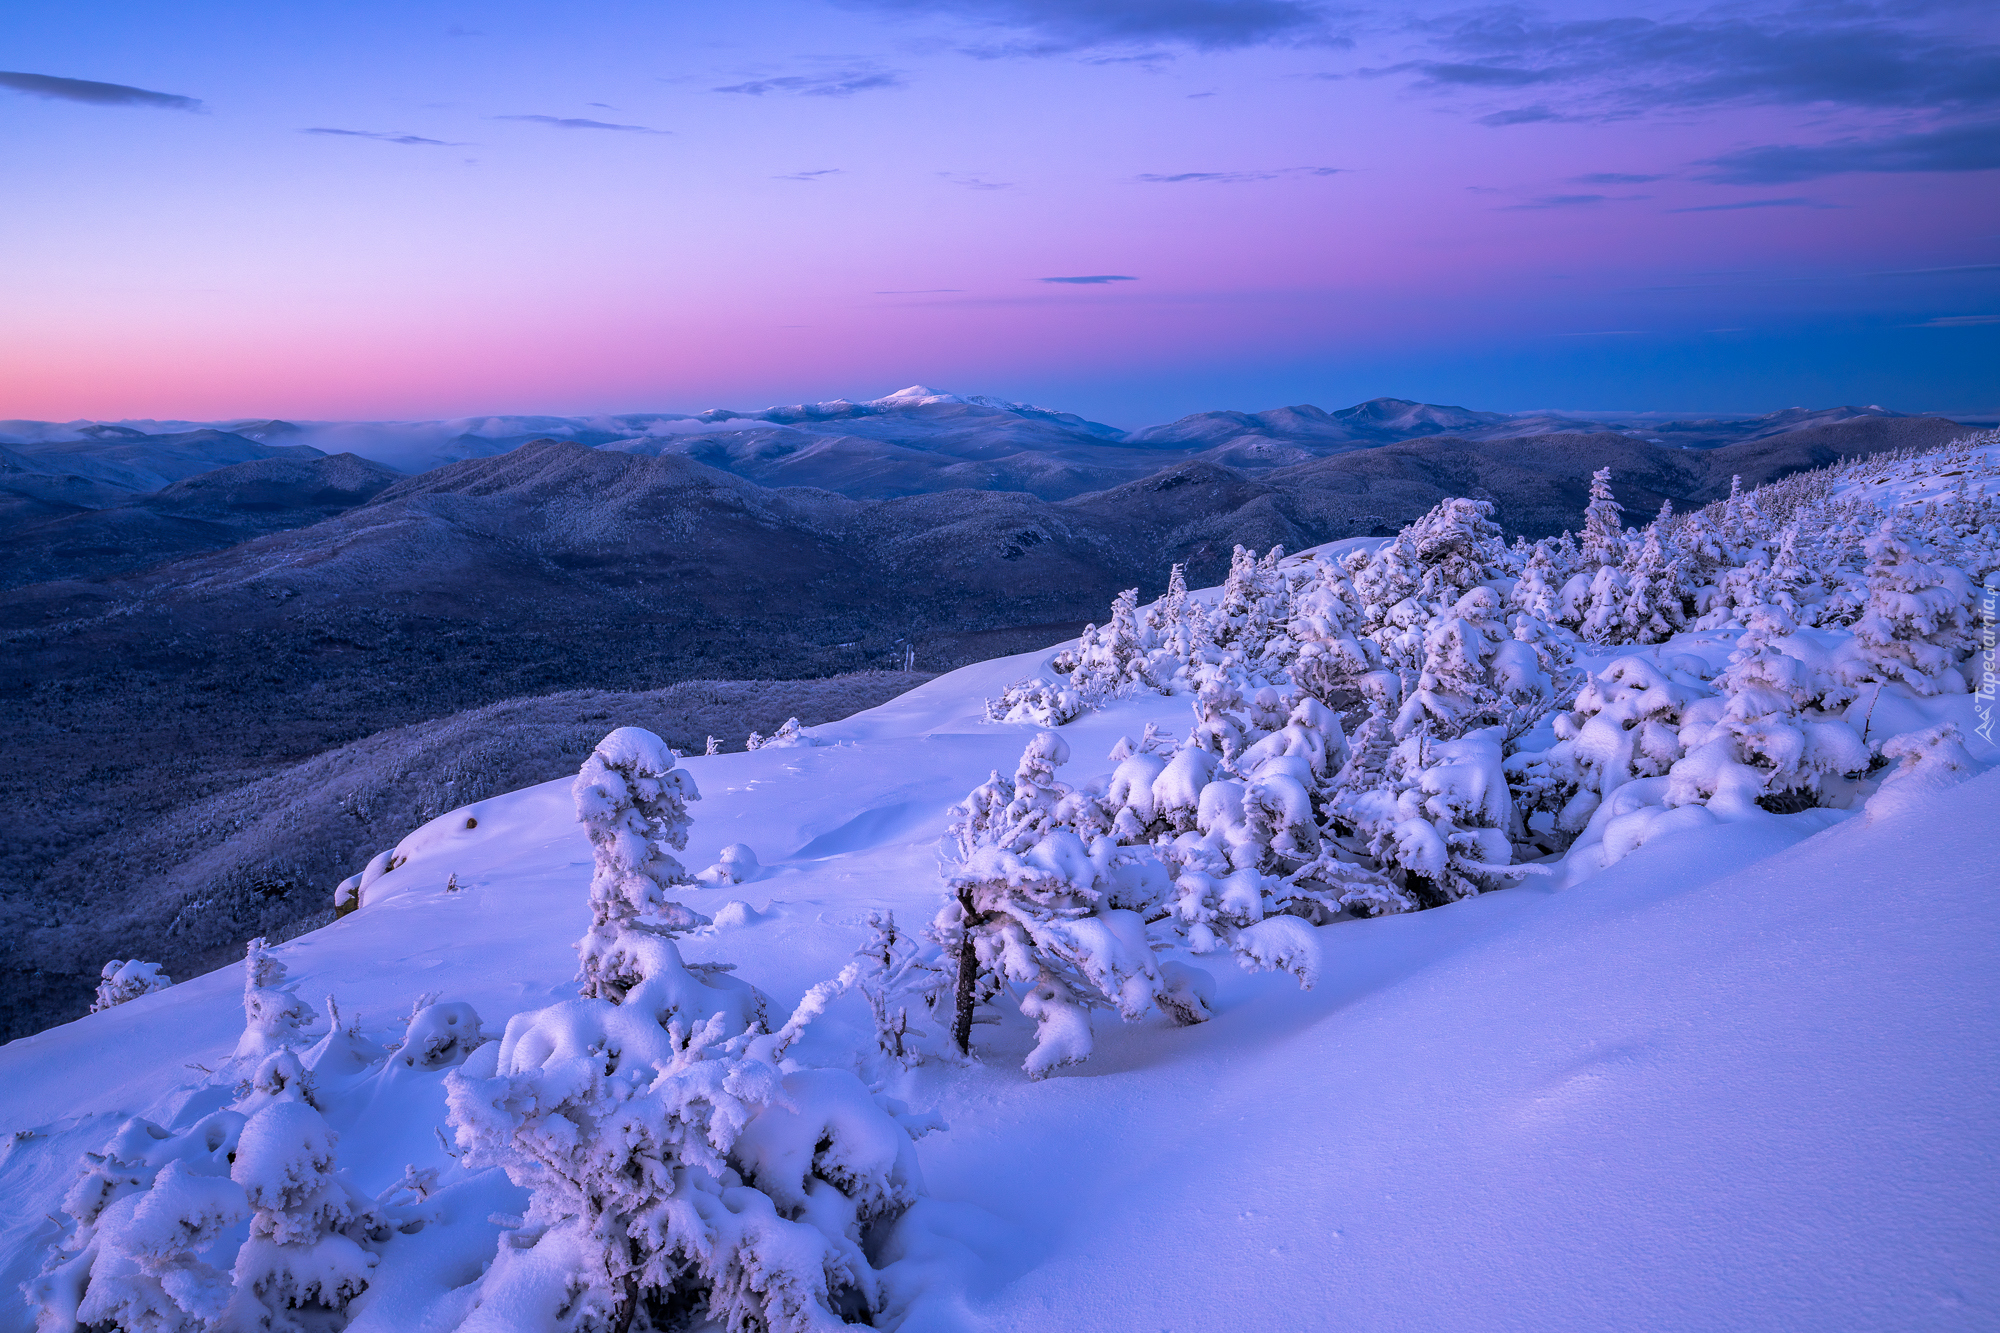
426,210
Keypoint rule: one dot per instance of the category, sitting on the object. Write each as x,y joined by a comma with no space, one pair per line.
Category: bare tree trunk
968,974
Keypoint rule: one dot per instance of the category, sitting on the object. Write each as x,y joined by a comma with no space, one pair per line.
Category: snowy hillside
1623,960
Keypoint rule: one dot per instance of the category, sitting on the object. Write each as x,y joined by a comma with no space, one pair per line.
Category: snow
1744,1076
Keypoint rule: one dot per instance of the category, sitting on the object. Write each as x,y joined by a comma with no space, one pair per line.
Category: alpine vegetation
1480,753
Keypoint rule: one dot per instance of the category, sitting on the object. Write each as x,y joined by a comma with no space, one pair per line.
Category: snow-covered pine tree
1916,625
1651,609
303,1262
632,802
1604,616
1113,660
1535,592
1028,904
1602,542
1328,655
1455,692
273,1015
122,981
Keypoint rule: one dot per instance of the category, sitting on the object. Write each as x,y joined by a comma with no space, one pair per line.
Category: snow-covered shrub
1760,740
142,1214
896,973
123,981
788,736
1927,762
1050,888
678,1175
1442,821
1625,725
1037,702
734,864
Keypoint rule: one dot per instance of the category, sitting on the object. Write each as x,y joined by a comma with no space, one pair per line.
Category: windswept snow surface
1746,1078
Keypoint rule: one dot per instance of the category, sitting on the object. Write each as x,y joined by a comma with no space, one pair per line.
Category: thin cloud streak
409,140
93,93
578,123
1234,177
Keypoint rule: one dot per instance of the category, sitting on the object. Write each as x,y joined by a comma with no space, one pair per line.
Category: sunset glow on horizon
417,211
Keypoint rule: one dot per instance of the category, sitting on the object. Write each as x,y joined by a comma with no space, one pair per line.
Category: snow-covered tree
1603,541
632,802
122,981
273,1014
1651,608
1037,702
1536,591
1916,624
1625,725
303,1262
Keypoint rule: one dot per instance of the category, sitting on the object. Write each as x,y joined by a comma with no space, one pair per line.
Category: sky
1127,209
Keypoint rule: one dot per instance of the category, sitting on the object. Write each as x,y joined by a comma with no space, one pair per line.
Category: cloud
820,174
96,94
1853,54
1613,178
410,139
1234,177
974,182
1093,278
1956,148
1559,201
820,85
930,291
1956,322
1062,27
1794,202
1524,115
578,123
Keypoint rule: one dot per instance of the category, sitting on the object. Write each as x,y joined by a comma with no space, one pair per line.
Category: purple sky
1127,209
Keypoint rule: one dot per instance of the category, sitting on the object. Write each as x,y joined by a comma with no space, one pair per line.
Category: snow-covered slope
1744,1079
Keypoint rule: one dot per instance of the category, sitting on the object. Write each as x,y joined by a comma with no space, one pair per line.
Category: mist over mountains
269,601
910,442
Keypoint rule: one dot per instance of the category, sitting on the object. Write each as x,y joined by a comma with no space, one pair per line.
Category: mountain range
914,441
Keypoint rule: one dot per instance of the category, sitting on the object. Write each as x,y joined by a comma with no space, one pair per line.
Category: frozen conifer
1602,542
